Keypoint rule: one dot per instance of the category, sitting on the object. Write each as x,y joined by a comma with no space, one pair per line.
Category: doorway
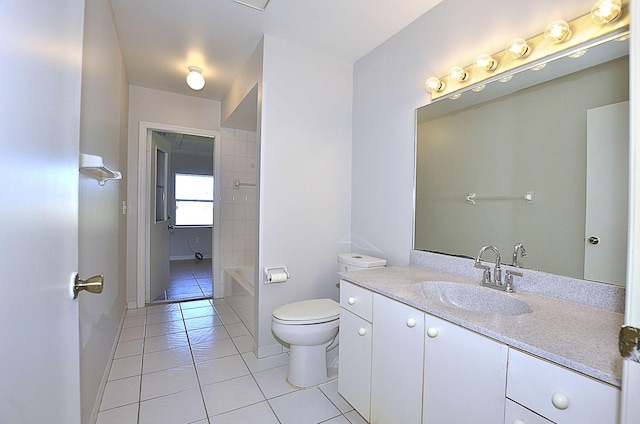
143,244
182,198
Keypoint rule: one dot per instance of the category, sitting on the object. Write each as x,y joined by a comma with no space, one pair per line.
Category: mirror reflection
538,164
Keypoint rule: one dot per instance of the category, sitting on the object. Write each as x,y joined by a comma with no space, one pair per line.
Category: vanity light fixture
485,62
478,88
577,54
434,84
506,79
557,32
606,11
559,39
457,73
517,48
195,80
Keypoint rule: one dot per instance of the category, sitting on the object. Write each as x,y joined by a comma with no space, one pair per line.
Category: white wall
305,168
389,86
101,223
164,108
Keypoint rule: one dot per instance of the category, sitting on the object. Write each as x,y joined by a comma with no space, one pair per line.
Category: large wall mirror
540,160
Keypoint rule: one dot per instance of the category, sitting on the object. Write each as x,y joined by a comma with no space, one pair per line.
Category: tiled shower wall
239,161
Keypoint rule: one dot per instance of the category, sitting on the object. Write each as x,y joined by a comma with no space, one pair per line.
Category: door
159,220
605,254
40,121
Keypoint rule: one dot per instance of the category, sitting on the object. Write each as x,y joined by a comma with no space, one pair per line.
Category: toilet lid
315,310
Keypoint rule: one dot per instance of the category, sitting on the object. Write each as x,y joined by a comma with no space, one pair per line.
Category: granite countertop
581,338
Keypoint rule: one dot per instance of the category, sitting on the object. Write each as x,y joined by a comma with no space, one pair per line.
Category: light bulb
606,11
458,74
195,80
517,48
433,84
485,62
557,32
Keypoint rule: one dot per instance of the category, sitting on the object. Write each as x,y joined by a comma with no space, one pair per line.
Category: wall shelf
94,166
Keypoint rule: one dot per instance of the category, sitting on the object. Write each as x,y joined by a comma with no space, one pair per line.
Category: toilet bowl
309,328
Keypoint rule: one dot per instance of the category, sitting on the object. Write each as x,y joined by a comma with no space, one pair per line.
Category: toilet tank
356,262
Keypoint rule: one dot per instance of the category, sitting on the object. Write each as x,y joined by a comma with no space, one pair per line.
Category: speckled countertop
579,337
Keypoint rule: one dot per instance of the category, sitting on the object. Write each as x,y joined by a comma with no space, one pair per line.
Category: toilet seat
312,311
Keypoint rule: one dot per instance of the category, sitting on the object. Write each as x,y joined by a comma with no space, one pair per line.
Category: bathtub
239,282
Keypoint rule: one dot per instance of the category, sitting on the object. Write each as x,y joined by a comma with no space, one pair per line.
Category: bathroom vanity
411,355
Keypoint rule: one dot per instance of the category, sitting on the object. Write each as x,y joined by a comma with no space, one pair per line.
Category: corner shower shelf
92,165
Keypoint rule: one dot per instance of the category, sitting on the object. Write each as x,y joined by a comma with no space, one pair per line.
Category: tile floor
192,362
188,279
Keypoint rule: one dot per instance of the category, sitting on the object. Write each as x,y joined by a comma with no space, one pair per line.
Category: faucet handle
486,275
509,280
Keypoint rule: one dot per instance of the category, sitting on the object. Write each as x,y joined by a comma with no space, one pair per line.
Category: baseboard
186,257
105,377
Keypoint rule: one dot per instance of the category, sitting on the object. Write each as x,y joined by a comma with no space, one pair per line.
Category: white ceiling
161,38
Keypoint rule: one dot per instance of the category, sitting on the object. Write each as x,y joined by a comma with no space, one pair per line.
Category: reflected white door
40,121
607,193
159,219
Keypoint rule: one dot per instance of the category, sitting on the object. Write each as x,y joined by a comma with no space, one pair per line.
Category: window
194,200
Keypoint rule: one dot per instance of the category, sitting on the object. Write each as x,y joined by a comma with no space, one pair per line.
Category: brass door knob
92,285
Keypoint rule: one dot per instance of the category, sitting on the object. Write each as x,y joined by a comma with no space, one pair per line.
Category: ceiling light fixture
485,62
457,73
254,4
195,80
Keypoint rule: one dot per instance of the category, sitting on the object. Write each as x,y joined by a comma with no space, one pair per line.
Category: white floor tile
224,396
355,418
273,382
166,382
198,312
258,413
124,391
229,318
337,420
217,370
126,367
129,348
164,328
164,342
134,321
162,308
223,308
131,333
123,415
164,317
202,322
165,359
244,343
206,335
213,349
178,408
237,329
257,365
309,406
331,391
195,304
135,312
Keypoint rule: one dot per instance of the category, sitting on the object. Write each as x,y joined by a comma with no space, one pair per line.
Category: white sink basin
478,299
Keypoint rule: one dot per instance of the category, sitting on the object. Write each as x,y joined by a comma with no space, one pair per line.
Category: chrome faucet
523,253
497,270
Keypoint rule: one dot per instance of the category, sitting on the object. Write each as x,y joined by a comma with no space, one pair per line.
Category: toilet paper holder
276,274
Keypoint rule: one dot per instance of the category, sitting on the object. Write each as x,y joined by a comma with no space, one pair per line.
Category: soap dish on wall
93,165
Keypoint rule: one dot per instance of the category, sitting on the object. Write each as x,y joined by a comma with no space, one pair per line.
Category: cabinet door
397,361
354,373
464,376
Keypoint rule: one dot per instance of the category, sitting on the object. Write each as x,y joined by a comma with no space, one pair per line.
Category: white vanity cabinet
354,373
397,361
558,394
464,375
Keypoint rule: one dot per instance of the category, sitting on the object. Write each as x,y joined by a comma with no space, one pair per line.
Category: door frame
143,244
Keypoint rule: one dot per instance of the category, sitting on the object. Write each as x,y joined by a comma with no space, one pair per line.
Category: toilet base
308,365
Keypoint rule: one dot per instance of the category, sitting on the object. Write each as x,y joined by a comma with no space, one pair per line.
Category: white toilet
310,328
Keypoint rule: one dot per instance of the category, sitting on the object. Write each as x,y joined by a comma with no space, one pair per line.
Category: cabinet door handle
351,301
411,322
362,331
432,332
560,400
